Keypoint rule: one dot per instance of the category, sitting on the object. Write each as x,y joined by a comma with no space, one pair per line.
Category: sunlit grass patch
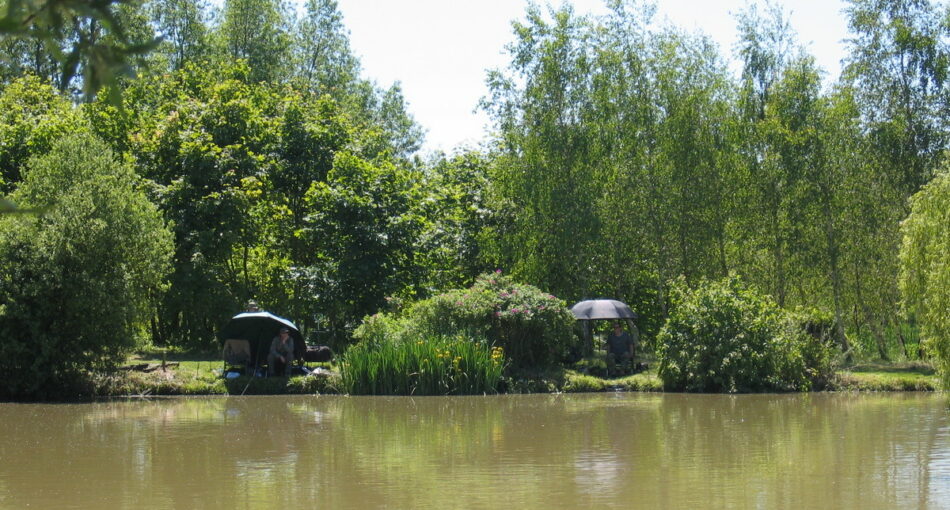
910,367
583,383
159,382
578,383
647,381
878,377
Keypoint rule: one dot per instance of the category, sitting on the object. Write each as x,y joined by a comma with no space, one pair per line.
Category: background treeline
244,144
627,155
279,172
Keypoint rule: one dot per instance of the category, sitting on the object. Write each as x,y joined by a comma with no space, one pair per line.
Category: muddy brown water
628,450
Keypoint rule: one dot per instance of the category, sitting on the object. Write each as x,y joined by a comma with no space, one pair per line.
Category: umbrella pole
589,338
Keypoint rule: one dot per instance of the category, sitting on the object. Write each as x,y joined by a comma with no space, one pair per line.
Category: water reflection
552,451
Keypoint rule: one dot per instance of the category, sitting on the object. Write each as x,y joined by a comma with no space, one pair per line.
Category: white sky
440,49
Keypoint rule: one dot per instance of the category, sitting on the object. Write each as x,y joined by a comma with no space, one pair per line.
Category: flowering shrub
724,337
528,327
534,328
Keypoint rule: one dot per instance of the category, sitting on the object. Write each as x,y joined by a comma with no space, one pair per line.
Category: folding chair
236,353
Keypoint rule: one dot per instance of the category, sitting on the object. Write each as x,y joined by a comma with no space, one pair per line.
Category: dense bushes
534,328
724,337
459,341
78,281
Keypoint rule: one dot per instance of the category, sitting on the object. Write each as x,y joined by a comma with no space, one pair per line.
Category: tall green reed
430,365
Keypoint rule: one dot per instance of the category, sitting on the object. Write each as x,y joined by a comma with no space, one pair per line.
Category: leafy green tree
688,161
229,157
32,117
898,66
766,47
401,135
183,28
202,137
456,212
614,161
925,270
234,163
895,77
828,202
801,137
633,260
854,235
325,64
365,231
257,31
26,55
310,133
544,167
78,283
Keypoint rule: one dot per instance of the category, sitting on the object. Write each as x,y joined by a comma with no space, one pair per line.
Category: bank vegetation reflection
762,451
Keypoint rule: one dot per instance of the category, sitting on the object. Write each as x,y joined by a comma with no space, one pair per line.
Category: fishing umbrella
602,309
259,328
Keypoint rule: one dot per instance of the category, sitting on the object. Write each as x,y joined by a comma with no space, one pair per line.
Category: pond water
622,450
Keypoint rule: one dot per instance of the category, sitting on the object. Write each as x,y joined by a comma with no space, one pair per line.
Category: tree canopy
624,155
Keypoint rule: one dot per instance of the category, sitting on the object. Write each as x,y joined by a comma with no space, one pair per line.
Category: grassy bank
200,374
914,376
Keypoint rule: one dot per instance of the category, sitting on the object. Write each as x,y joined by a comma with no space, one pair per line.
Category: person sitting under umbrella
619,347
281,348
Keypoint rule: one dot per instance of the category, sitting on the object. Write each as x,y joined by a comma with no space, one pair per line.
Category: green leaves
78,282
32,117
725,337
325,63
258,31
627,156
925,269
898,67
363,220
185,34
97,39
614,163
531,328
274,194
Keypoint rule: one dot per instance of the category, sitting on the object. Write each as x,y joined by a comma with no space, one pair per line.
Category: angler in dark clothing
619,348
281,348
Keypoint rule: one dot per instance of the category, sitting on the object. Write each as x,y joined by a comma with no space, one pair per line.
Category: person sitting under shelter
281,349
619,348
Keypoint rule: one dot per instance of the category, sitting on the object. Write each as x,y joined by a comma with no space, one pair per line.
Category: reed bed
433,365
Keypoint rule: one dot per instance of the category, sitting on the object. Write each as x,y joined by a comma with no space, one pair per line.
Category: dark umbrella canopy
594,309
259,328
